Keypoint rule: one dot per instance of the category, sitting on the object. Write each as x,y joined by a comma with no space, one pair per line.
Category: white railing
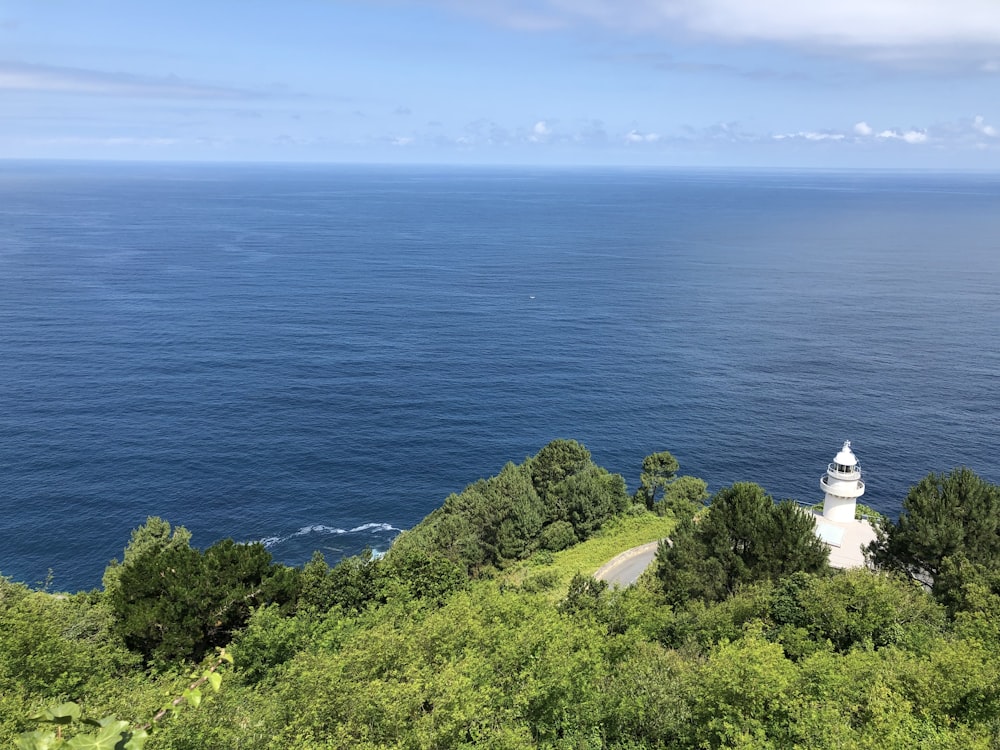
824,480
832,468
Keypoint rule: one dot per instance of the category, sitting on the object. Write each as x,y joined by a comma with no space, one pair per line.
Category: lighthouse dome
846,456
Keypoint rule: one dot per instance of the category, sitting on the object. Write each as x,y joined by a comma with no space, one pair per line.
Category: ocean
316,356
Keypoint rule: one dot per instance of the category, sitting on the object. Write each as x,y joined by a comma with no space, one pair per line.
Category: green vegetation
72,730
744,538
551,501
483,628
552,572
944,516
658,471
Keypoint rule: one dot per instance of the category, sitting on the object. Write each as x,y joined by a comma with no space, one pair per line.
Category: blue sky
785,83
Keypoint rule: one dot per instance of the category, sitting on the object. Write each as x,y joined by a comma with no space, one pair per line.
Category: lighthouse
842,485
846,537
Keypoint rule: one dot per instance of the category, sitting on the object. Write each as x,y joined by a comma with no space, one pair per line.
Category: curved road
624,569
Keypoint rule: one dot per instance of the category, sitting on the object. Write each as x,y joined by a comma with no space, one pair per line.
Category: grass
552,572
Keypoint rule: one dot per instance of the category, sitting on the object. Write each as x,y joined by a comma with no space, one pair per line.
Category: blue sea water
317,356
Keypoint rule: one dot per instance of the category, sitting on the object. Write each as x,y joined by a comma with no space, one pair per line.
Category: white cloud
980,125
634,136
484,132
523,15
909,136
884,28
960,134
106,142
15,76
402,140
540,132
810,135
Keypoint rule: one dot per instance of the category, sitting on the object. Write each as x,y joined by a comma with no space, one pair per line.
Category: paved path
624,569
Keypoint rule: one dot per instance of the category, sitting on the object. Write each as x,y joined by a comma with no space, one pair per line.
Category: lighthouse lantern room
842,485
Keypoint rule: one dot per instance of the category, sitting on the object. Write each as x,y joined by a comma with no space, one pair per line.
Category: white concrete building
837,527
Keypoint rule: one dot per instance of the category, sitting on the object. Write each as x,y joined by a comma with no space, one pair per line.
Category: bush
557,536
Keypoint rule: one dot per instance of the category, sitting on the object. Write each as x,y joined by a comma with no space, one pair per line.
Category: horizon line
55,160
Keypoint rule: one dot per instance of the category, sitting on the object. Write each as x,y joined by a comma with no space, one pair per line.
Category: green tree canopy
658,471
592,497
743,537
153,536
552,500
553,464
943,515
177,603
683,497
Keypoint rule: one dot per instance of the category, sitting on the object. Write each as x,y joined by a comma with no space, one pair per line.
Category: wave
372,528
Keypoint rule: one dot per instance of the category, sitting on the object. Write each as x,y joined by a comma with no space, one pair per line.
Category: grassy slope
553,572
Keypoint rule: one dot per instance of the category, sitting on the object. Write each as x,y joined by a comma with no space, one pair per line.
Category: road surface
624,569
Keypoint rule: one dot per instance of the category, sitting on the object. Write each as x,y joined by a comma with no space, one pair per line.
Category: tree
425,574
658,471
558,535
513,513
591,497
943,515
964,586
350,585
159,604
54,646
553,464
153,536
853,608
177,603
552,500
584,595
683,497
742,696
744,537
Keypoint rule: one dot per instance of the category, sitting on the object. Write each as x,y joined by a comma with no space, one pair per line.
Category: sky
712,83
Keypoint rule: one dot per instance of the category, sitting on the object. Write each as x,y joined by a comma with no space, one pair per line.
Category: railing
832,468
824,481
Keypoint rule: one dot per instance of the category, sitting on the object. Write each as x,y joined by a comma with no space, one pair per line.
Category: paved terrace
845,540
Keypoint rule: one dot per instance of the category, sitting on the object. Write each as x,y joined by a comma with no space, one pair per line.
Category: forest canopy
472,631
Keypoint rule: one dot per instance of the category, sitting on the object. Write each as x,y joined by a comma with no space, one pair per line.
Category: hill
482,628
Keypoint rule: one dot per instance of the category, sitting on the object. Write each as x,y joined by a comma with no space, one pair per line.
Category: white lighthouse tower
842,485
846,537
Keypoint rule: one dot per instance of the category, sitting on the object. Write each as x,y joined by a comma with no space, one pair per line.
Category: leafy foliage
557,536
684,497
152,537
658,471
944,515
591,497
553,500
746,641
553,464
744,537
425,575
111,733
51,646
175,602
853,609
584,595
